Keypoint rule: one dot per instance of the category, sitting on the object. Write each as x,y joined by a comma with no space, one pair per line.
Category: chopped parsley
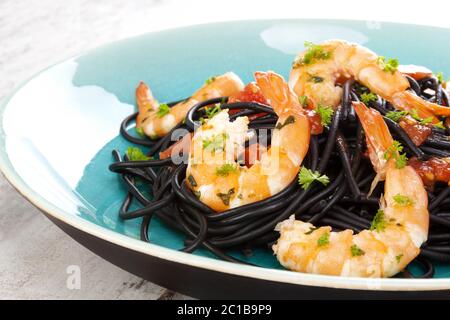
378,222
396,115
440,77
415,115
289,120
368,97
216,143
325,114
198,194
356,251
389,65
192,180
439,125
140,132
226,169
210,80
136,154
212,111
313,53
163,109
303,101
394,153
323,239
399,257
311,230
225,197
402,200
316,79
307,176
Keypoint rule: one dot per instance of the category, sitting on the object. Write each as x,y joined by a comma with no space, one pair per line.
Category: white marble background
34,254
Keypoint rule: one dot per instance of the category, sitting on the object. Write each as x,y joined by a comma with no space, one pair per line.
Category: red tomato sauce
416,131
432,170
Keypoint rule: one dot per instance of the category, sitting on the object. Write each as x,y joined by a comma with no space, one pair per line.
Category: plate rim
280,276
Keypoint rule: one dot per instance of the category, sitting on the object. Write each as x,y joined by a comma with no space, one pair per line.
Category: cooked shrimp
156,122
398,230
219,181
317,71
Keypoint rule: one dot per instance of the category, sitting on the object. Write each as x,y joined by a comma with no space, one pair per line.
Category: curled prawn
398,230
156,122
219,181
317,72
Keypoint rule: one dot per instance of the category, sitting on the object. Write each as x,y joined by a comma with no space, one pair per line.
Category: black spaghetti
337,152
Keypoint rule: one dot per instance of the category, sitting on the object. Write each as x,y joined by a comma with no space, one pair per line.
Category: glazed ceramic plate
59,128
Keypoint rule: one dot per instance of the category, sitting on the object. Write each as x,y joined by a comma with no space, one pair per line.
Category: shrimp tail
145,102
408,101
276,91
378,138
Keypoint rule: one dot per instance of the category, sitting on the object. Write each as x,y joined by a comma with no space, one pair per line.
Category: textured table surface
34,253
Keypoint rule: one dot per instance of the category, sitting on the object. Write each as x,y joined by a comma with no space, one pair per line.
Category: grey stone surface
35,254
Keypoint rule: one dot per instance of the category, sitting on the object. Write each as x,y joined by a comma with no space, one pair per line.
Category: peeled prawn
398,230
219,181
156,122
317,72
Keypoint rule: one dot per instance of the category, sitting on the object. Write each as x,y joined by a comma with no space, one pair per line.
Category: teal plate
59,128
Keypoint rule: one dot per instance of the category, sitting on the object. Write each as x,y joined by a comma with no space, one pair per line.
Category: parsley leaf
366,98
225,197
439,125
402,200
399,257
390,65
396,115
140,132
210,80
303,101
226,169
163,110
325,114
313,53
215,143
378,222
323,239
356,251
136,154
440,77
307,176
394,153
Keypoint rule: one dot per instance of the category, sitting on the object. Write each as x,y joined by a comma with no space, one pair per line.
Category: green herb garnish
394,153
226,169
325,113
323,239
402,200
378,222
307,176
440,77
311,230
215,143
366,98
140,132
356,251
225,197
396,115
198,194
439,125
163,109
289,120
399,257
303,101
210,80
313,53
389,65
136,154
192,180
316,79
